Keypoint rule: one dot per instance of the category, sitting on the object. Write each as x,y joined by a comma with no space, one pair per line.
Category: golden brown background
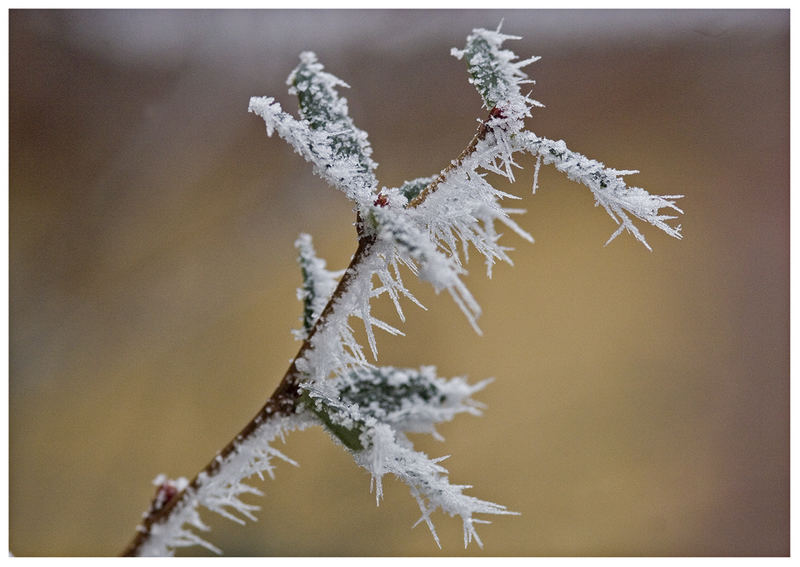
641,399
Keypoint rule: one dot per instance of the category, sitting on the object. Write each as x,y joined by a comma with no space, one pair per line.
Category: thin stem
284,400
479,135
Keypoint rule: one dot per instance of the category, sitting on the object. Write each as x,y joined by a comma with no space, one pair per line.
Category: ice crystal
334,347
370,412
389,451
608,187
222,492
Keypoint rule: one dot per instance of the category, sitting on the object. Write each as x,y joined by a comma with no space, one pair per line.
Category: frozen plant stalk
427,226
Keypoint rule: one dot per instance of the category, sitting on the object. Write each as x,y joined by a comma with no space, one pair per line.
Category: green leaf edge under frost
492,69
322,107
400,397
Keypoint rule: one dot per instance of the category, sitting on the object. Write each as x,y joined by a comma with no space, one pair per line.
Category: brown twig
283,401
433,185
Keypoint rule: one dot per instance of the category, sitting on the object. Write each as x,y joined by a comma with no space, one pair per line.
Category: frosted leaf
318,284
493,70
369,412
323,109
410,400
326,135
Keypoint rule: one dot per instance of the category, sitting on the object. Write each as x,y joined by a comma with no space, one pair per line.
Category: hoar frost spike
428,226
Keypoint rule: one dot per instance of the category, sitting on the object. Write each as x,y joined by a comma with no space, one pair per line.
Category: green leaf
306,259
381,391
318,283
410,189
308,298
406,399
484,69
332,417
493,70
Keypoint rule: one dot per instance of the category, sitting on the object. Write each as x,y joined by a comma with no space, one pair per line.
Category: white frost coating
315,146
389,451
318,284
536,174
409,400
221,493
503,66
385,404
412,247
333,347
608,187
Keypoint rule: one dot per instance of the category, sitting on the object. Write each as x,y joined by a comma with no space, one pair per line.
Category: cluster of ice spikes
427,225
221,493
370,410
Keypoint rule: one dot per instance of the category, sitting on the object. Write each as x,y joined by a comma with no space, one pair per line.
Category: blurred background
641,402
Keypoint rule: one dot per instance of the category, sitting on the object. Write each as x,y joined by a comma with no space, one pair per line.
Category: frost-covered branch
171,523
608,187
221,492
427,225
